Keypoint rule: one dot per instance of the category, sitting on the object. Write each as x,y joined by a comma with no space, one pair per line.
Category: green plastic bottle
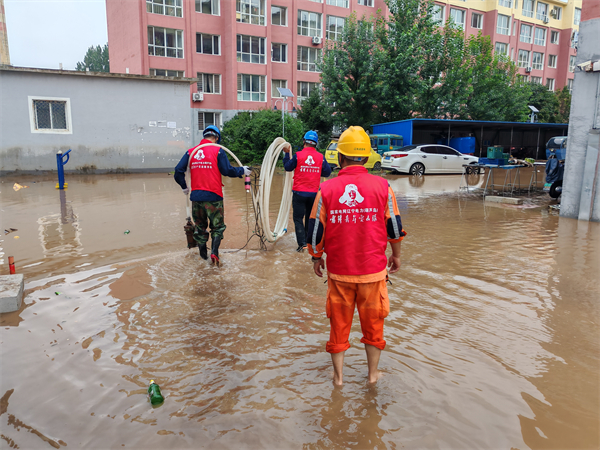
154,394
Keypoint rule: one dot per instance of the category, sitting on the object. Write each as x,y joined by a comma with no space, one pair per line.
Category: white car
426,158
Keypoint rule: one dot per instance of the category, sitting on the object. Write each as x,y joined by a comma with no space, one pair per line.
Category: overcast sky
44,33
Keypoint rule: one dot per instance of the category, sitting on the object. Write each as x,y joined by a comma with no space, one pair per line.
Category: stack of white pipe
261,199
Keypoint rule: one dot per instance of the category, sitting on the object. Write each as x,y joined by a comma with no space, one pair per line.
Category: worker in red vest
354,217
309,166
206,168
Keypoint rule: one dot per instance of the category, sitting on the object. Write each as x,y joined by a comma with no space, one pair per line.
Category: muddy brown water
493,336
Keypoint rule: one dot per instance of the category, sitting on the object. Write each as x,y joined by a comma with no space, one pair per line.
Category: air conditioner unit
546,20
198,96
553,13
527,69
316,40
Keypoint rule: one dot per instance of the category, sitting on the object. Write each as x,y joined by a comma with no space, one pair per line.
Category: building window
570,84
501,49
526,31
251,88
536,80
538,61
316,1
207,44
250,11
550,84
554,35
477,21
438,14
523,58
165,42
50,115
540,37
335,28
251,49
165,7
340,3
458,17
208,7
556,12
309,23
542,11
503,25
279,16
505,3
308,58
365,2
277,84
527,8
552,61
305,88
209,118
577,17
167,73
512,54
209,83
572,63
279,52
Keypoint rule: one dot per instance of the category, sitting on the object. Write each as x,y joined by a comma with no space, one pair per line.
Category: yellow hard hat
354,142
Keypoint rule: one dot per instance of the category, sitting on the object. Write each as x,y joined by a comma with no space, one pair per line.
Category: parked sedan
427,158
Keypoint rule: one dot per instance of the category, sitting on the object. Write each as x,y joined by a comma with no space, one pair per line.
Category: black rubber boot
214,255
203,251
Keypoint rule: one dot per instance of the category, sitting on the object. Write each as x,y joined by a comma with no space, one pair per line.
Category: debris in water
17,186
126,232
16,237
57,293
10,230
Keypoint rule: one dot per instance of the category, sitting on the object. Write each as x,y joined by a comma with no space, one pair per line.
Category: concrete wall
581,184
111,121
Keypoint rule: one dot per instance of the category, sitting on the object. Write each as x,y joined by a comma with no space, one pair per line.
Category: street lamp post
285,93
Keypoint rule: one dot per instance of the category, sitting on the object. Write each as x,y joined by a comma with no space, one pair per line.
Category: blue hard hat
211,130
311,136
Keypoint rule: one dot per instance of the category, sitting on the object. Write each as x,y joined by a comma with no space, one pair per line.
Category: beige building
4,53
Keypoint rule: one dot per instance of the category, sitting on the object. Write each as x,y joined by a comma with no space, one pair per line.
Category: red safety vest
204,169
307,175
355,234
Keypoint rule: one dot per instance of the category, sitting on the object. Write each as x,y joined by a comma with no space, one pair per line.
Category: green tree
249,133
317,115
95,59
545,101
564,105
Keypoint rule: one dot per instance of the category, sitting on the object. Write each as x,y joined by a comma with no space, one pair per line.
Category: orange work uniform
354,217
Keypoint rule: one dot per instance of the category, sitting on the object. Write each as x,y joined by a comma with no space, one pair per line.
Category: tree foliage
554,107
317,115
95,59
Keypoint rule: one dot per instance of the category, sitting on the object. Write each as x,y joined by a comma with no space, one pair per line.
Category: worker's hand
318,267
287,148
185,191
247,171
394,263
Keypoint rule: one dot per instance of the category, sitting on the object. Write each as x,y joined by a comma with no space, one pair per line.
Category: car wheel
556,189
417,169
377,166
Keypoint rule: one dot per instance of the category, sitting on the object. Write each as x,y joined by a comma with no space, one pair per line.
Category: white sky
44,33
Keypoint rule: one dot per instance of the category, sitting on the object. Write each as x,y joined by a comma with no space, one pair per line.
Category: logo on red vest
351,196
199,155
310,161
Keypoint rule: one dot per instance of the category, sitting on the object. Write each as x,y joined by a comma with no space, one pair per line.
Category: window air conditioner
546,20
527,69
316,40
553,13
198,96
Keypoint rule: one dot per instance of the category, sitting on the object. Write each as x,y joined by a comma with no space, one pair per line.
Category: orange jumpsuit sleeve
316,227
393,222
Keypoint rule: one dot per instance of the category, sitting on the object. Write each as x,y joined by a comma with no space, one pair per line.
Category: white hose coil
261,199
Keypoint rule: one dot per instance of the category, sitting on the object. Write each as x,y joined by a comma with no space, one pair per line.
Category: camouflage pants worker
204,213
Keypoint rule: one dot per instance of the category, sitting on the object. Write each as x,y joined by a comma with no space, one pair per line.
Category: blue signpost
61,172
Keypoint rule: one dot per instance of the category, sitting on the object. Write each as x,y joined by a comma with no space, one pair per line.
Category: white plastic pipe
261,199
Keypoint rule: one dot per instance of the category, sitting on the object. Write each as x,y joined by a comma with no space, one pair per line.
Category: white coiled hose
262,197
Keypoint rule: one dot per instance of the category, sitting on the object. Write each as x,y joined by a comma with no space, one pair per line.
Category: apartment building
243,50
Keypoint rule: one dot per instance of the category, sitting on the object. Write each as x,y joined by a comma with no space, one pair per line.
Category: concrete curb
11,292
507,200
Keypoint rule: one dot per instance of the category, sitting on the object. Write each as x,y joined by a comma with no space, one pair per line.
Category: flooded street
493,338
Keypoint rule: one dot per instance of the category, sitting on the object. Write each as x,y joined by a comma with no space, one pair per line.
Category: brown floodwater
493,340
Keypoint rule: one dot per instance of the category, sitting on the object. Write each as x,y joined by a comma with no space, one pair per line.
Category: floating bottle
154,394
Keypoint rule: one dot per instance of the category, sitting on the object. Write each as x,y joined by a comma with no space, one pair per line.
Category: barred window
540,36
340,3
251,49
165,7
209,83
335,27
207,44
165,42
538,61
305,88
523,60
50,115
277,84
526,31
309,24
251,88
279,16
503,25
552,61
279,52
528,8
250,11
208,118
167,73
308,58
208,7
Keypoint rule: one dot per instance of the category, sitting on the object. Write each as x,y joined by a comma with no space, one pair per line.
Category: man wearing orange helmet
353,218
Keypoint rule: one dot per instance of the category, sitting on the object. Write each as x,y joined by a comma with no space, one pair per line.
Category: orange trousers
373,304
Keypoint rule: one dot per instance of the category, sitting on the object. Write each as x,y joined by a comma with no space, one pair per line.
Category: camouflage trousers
204,213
